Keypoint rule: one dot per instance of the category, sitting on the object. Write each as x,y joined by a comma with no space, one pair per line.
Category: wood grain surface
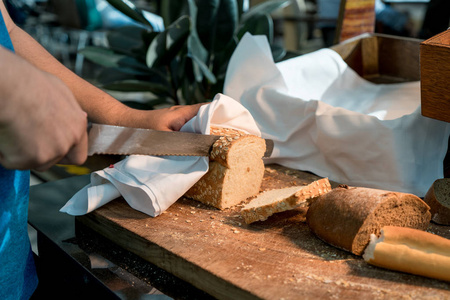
435,74
276,259
382,58
355,18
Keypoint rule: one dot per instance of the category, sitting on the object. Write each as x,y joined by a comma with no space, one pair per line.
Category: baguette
236,170
438,198
346,216
411,251
278,200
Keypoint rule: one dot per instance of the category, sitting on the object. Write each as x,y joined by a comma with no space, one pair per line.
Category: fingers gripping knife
108,139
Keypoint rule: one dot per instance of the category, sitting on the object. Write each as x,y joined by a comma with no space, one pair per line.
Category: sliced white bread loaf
347,216
438,198
236,170
411,251
273,201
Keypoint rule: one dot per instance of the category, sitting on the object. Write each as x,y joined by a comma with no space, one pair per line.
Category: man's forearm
100,106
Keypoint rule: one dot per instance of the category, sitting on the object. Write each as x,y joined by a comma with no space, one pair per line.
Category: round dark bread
346,216
438,198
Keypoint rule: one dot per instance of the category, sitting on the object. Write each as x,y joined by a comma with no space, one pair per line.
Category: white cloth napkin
151,184
326,119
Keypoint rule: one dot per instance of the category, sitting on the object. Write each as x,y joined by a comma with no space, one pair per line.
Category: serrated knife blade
118,140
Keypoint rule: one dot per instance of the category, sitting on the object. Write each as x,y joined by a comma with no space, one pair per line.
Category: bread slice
438,198
278,200
411,251
347,216
236,169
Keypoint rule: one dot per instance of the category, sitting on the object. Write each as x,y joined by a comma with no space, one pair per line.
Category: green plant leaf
171,10
110,59
139,105
222,58
165,46
240,5
261,25
129,9
138,86
204,69
138,66
194,45
102,56
192,92
217,21
127,39
263,8
110,75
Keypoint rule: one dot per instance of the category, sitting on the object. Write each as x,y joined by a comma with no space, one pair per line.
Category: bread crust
236,169
416,239
222,146
411,251
300,198
440,213
346,216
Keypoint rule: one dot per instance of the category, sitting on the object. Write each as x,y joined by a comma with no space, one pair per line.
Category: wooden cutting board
276,259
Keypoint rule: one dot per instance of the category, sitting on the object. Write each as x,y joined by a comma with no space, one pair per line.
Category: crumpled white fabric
151,184
325,118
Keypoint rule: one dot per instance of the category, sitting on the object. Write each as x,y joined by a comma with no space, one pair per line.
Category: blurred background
65,26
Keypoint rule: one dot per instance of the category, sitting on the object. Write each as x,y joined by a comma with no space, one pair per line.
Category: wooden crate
435,73
390,59
382,58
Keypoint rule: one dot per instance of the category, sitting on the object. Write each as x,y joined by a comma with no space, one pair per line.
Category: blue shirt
18,278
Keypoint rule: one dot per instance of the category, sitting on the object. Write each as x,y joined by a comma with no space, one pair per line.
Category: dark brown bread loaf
236,170
438,198
347,216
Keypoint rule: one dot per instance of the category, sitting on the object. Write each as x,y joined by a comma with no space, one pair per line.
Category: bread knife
118,140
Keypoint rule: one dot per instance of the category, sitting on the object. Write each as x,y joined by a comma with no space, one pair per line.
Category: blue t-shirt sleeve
18,278
5,40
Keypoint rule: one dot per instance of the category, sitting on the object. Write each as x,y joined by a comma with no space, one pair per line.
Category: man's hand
166,119
41,123
173,118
